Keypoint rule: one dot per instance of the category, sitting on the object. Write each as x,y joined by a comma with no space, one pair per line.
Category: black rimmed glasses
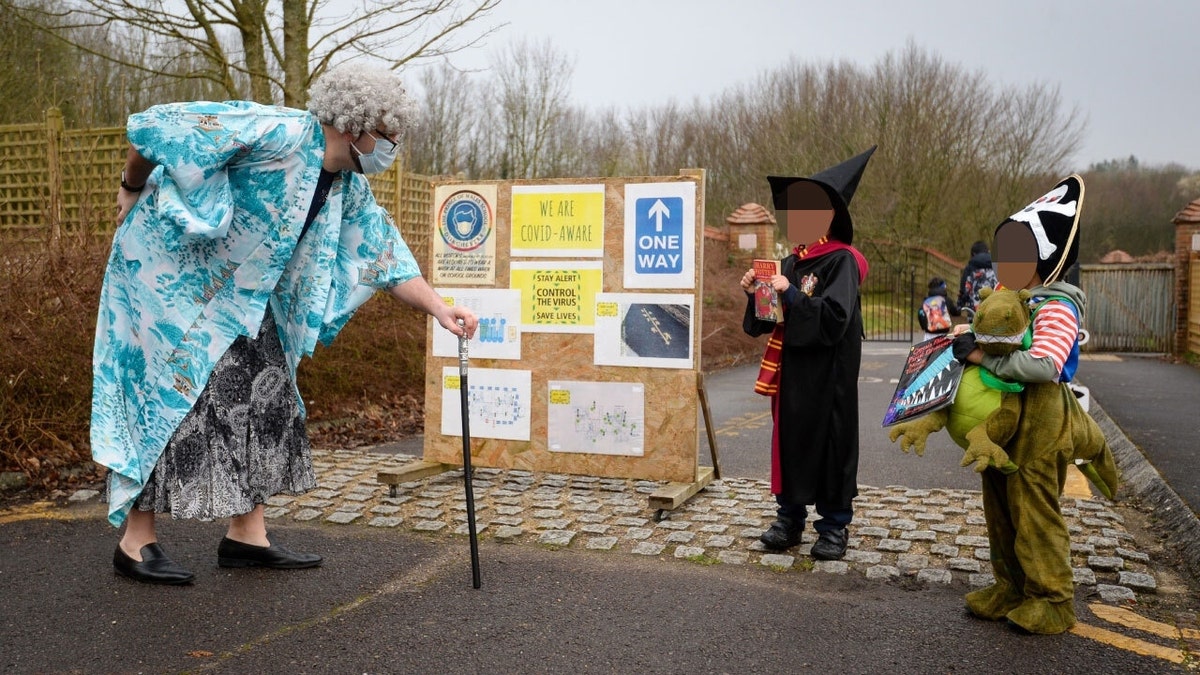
380,136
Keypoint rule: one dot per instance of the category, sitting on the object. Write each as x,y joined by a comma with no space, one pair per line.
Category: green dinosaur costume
1023,447
984,414
977,420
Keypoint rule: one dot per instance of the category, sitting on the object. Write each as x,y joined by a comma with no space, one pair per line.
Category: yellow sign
560,397
557,297
549,220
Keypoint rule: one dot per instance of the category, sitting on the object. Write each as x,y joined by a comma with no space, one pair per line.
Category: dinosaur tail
1102,472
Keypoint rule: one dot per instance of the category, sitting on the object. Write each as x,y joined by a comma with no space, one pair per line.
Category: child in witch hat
1030,545
810,369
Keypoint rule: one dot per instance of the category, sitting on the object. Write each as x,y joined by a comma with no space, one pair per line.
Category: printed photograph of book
766,299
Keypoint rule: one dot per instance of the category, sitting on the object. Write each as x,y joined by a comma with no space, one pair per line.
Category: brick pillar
751,233
1187,226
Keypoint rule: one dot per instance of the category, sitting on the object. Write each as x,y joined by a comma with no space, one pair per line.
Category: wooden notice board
590,300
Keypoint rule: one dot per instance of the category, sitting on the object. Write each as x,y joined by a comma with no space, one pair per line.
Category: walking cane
466,429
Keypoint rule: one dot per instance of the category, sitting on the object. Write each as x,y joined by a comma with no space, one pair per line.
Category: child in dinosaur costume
986,409
1030,545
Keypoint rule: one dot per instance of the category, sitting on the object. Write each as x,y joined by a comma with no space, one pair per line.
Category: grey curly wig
358,99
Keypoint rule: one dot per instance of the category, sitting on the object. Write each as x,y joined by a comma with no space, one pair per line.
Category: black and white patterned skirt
242,442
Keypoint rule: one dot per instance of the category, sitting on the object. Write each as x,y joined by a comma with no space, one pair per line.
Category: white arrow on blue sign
658,235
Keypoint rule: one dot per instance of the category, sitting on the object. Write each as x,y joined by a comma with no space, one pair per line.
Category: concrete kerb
1142,481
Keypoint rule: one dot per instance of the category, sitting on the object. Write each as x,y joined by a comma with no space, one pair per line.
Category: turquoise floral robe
211,242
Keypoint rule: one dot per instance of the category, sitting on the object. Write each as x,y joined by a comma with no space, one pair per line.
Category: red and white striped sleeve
1054,331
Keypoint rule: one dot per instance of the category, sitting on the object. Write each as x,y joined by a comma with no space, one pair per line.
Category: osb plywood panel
671,401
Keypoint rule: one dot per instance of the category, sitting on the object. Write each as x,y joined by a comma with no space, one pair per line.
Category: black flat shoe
784,533
831,545
232,553
155,567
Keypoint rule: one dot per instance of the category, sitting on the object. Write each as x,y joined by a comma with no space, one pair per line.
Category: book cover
766,299
929,381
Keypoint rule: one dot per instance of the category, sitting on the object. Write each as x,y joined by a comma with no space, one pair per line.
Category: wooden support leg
671,495
708,424
410,472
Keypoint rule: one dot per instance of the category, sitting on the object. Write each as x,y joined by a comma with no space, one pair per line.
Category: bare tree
533,92
451,106
603,143
45,71
955,153
1130,207
264,49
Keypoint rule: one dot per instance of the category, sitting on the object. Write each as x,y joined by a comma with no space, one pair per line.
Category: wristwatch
128,187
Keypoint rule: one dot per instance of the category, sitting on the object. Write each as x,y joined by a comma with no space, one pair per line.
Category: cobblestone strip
936,536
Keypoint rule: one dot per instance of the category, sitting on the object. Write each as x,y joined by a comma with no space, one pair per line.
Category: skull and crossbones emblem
1051,202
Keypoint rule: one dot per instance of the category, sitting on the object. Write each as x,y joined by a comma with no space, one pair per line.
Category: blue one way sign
658,227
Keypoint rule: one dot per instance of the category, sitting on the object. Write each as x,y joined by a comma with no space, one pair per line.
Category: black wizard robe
815,440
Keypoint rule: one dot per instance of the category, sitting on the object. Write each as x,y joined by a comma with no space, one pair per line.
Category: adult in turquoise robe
213,241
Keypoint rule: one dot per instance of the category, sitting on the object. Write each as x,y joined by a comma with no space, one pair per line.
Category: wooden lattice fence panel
23,180
407,196
92,160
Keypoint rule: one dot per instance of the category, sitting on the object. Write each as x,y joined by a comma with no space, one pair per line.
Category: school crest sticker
465,220
464,250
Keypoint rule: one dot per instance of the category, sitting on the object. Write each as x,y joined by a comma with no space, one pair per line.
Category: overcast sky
1131,66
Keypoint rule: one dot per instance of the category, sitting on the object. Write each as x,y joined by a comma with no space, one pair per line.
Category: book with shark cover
928,382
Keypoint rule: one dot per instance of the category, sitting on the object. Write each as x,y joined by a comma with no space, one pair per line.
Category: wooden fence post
54,177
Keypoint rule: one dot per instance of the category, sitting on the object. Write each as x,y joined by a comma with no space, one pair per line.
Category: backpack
934,315
1072,362
979,279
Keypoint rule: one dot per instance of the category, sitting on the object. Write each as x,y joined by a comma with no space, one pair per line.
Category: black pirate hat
839,182
1054,220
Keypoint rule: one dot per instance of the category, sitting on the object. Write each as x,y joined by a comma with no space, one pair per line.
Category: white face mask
379,159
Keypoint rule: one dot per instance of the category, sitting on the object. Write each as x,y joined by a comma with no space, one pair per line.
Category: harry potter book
766,299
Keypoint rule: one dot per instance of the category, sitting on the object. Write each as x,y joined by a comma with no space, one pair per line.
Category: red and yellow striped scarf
767,382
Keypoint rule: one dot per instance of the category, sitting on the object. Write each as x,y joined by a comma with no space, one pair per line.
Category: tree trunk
252,25
296,23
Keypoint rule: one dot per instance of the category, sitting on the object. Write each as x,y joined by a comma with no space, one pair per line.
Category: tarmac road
392,602
396,600
743,423
1156,403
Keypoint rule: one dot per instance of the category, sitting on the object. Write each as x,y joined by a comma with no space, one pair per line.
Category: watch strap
131,188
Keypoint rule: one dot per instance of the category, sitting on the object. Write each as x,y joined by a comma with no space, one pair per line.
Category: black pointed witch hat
1054,220
839,182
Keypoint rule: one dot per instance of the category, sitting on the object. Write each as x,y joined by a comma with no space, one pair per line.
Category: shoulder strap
1072,362
1042,303
1047,298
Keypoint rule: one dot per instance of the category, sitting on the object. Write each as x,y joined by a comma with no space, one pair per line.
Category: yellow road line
1124,617
744,422
1129,644
45,511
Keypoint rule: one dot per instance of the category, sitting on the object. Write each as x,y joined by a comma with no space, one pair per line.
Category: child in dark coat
936,310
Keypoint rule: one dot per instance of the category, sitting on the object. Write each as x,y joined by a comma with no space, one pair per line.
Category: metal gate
889,298
896,285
